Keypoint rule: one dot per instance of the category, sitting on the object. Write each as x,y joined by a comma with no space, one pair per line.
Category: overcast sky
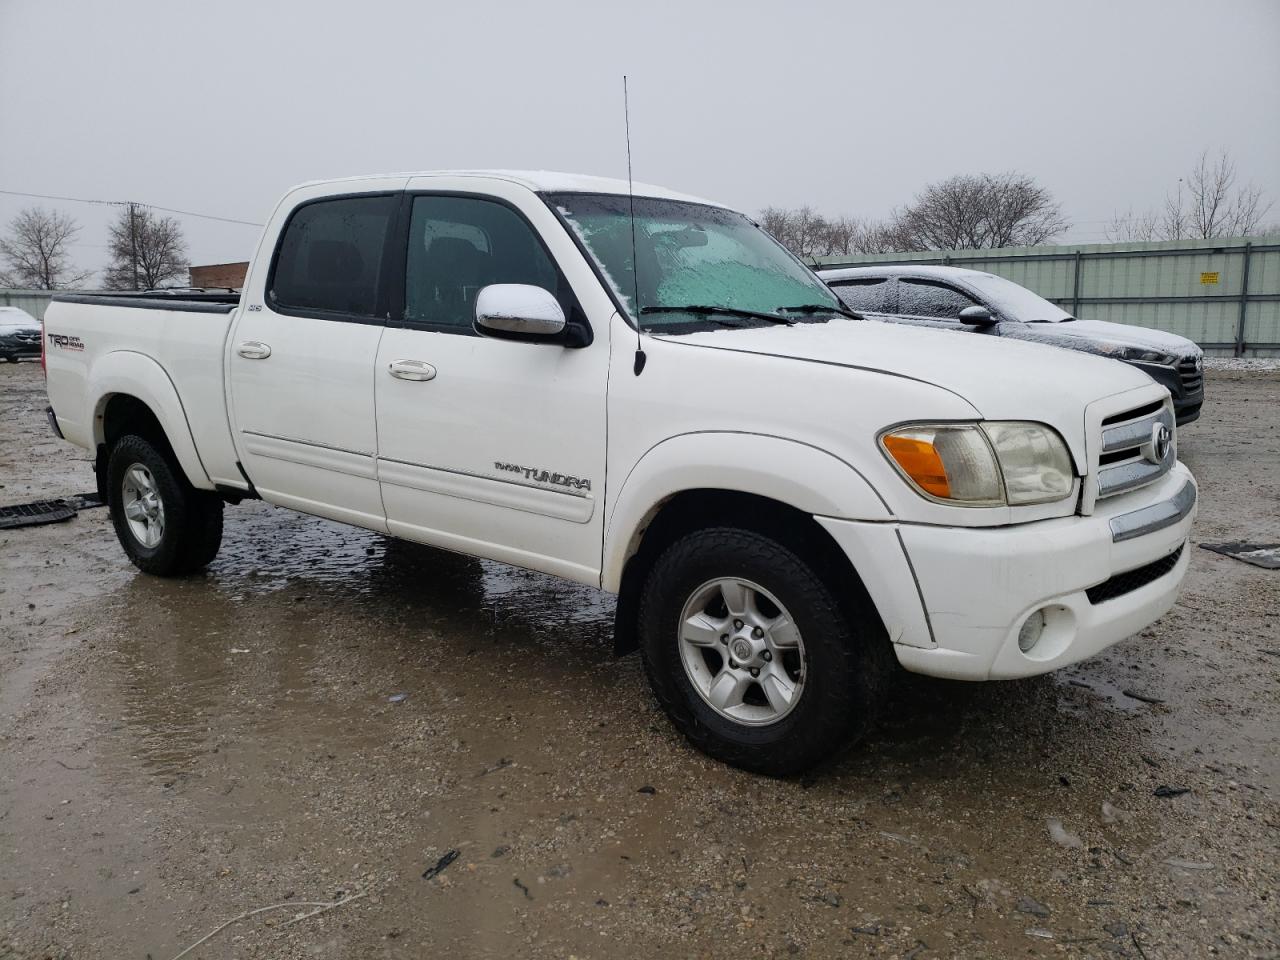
217,107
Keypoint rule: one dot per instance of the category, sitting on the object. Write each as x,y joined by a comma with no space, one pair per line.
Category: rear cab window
330,257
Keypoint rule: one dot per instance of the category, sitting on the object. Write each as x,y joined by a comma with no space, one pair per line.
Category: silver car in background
954,298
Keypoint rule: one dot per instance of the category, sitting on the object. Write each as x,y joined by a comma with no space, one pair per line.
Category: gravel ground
328,714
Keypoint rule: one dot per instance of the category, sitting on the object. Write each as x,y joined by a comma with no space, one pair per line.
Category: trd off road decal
63,342
536,475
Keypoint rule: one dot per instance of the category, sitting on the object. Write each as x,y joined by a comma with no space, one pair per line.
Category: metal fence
35,302
1223,294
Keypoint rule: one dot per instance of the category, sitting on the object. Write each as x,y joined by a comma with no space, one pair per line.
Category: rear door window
928,298
868,294
330,257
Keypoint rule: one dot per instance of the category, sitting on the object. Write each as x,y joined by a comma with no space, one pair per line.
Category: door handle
411,370
254,350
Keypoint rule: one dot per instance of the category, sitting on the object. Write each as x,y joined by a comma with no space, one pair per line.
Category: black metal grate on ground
1132,580
1264,555
46,511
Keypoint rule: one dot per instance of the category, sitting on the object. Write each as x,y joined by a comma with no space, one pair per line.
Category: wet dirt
327,712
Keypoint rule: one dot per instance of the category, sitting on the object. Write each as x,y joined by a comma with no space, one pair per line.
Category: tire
166,526
838,668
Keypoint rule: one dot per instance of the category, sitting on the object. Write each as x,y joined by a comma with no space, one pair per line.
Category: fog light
1031,630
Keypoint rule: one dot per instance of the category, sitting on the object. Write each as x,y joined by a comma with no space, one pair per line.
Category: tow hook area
53,423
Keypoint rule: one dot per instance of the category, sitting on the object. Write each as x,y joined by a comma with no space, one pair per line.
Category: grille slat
1126,457
1135,579
1191,374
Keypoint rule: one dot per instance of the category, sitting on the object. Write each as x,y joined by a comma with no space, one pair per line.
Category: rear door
300,361
492,447
867,294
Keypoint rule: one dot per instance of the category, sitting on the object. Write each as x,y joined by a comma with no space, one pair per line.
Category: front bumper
18,349
977,586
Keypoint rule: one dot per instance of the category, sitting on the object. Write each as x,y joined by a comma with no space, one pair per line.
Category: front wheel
166,526
751,655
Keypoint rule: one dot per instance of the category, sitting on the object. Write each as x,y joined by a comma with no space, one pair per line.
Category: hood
1077,334
1002,379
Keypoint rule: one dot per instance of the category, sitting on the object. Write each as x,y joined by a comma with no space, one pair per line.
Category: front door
490,447
301,361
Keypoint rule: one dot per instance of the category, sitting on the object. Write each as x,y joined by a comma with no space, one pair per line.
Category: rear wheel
166,526
751,655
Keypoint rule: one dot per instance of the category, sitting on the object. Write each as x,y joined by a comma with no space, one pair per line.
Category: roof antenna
635,263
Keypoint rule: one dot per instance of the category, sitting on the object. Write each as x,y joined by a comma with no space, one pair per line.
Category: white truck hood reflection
1001,378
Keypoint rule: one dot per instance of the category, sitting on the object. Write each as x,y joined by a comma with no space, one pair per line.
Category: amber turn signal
920,461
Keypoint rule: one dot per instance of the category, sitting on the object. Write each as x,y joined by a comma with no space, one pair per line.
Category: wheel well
121,416
693,510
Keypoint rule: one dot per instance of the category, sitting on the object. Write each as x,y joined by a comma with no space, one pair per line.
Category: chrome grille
1130,453
1191,373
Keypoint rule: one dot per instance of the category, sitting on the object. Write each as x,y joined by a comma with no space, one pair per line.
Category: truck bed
164,348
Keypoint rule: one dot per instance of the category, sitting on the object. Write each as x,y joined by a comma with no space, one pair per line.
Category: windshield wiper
713,311
823,308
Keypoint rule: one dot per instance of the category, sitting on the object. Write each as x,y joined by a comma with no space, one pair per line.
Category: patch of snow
1250,364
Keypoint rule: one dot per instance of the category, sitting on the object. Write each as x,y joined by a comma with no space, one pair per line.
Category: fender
137,375
813,480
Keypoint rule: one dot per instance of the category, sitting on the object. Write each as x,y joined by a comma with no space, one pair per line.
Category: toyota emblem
1161,440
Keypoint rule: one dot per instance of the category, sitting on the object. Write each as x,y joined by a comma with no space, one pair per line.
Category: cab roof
539,181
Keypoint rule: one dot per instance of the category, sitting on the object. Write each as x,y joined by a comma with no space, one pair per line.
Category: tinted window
924,298
458,246
872,294
330,256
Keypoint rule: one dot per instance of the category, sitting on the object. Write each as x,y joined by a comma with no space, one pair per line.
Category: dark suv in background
19,335
952,298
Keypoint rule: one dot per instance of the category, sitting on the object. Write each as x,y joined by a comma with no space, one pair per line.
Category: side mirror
518,311
977,315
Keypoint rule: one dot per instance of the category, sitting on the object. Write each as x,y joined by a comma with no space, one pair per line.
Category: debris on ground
1113,814
1167,791
1061,836
440,864
1139,695
1264,555
46,511
1031,906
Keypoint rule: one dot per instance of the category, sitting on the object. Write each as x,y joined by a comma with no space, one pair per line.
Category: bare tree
35,252
1133,227
147,250
808,234
1206,204
973,211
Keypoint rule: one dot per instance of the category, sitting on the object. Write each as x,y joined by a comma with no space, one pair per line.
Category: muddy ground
176,753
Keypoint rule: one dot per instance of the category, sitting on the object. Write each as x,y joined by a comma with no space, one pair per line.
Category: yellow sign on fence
1209,277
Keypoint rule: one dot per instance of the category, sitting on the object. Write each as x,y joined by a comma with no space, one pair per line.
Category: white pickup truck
647,394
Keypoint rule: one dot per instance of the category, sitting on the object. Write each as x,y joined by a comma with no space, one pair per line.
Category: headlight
992,463
1137,354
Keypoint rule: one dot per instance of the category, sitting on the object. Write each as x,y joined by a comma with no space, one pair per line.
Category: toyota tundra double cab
643,392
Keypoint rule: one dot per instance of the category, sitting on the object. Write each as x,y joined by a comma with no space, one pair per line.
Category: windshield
691,254
1015,302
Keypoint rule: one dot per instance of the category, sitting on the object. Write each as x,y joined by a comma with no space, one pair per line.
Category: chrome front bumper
1155,517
